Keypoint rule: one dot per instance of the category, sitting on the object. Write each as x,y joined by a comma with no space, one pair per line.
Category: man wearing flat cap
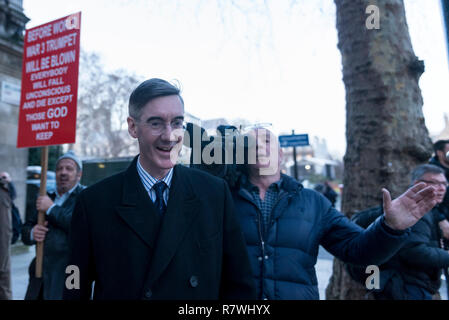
58,206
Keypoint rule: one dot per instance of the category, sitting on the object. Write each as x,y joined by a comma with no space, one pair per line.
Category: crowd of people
164,231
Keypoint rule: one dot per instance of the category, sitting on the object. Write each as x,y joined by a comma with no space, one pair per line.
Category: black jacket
195,251
56,247
434,160
444,206
422,257
419,262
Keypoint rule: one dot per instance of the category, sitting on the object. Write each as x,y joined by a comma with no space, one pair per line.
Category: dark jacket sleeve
237,280
80,252
351,243
366,217
30,222
442,211
12,191
418,251
444,206
61,216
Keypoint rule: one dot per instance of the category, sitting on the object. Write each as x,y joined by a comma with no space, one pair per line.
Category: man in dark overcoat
158,230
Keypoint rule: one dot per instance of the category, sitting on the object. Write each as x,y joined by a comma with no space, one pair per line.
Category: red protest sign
47,114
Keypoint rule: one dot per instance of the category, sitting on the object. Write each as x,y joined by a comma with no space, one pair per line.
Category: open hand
404,211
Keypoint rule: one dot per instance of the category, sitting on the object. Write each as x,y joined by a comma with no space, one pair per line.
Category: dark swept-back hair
421,170
149,90
439,145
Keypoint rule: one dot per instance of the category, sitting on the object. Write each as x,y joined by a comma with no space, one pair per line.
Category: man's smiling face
158,134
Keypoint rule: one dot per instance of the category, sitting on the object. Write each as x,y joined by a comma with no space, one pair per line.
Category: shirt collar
148,180
277,184
249,186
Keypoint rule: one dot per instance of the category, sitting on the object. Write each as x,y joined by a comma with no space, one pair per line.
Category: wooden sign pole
41,214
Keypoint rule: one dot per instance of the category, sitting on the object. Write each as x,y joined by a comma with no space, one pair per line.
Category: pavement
22,256
323,269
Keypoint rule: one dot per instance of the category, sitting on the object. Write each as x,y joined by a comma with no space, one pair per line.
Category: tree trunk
385,130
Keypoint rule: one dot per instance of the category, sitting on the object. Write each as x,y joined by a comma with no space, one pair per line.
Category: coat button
259,258
193,281
148,294
266,257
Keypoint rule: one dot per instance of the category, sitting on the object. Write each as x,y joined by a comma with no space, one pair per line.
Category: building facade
12,160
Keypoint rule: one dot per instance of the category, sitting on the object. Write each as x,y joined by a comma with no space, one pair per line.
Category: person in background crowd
327,191
414,273
5,241
441,148
15,214
58,207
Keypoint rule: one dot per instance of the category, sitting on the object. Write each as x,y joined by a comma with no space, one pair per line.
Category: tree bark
385,129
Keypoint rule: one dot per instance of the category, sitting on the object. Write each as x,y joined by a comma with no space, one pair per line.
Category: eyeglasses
157,126
436,183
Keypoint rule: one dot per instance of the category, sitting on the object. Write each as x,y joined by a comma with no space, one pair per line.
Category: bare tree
385,130
102,109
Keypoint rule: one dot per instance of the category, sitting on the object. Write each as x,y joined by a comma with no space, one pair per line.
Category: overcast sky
277,63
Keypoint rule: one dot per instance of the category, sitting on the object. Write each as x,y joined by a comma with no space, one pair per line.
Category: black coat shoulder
199,175
206,186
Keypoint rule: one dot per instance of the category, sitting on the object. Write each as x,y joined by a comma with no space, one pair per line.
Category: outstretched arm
385,236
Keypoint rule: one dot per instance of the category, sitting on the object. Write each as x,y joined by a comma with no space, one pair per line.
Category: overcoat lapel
181,211
137,209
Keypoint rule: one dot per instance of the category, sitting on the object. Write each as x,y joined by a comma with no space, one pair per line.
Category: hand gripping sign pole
47,114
